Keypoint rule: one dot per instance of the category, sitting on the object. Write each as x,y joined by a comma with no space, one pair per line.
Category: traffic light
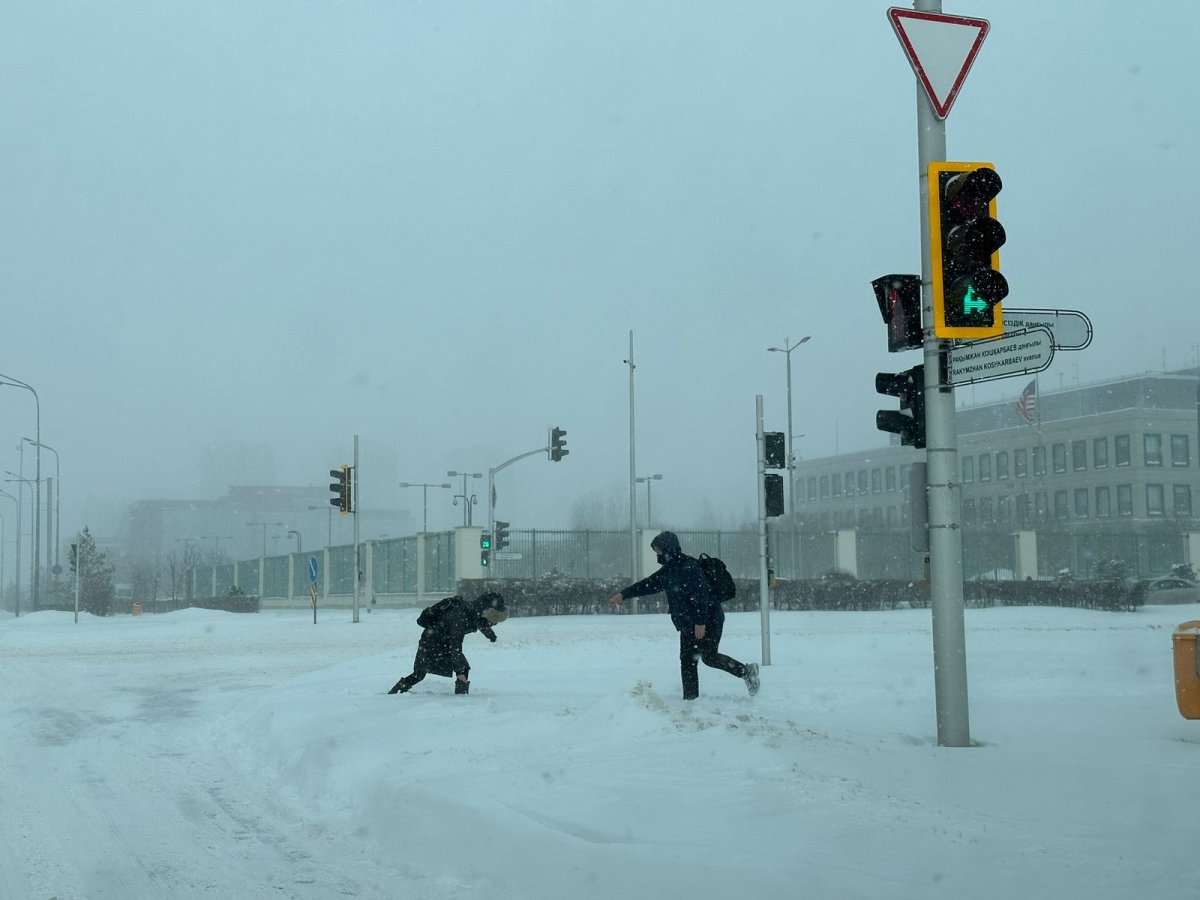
342,489
774,491
485,549
909,421
899,299
964,239
774,450
558,444
500,535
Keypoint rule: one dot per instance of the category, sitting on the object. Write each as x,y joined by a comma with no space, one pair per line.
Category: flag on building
1027,402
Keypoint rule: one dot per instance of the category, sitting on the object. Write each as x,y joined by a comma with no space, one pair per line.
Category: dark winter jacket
446,623
689,600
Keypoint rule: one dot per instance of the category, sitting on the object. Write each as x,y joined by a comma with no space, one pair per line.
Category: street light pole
264,528
424,486
37,479
57,497
467,499
648,479
299,540
787,349
20,502
17,556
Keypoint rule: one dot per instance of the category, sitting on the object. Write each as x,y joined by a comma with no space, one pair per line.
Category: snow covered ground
203,754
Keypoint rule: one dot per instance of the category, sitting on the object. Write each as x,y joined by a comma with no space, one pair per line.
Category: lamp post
37,480
26,482
57,497
17,556
216,539
328,523
648,479
787,349
425,486
299,540
468,500
264,528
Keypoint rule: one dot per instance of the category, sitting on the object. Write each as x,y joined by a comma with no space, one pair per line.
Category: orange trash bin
1187,669
137,609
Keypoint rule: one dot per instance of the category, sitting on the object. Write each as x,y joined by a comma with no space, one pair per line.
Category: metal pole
633,541
17,553
355,504
37,479
941,452
764,597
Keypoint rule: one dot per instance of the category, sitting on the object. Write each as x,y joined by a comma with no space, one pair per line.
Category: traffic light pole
492,483
356,502
941,453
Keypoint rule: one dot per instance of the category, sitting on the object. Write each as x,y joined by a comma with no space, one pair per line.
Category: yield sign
941,49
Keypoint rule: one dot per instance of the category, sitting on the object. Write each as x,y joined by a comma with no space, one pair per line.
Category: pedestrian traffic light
558,444
500,535
774,450
774,494
342,489
899,299
964,239
485,548
909,421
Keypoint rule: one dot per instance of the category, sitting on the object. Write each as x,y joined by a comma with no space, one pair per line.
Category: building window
889,479
1081,503
1121,449
1183,500
1079,456
812,488
891,517
1020,463
1100,453
1180,452
849,484
1103,503
1060,504
985,510
1022,510
1059,457
1039,460
837,485
862,481
968,467
824,487
968,512
1039,506
1124,500
876,481
905,472
1152,449
1002,465
1154,500
985,467
1003,509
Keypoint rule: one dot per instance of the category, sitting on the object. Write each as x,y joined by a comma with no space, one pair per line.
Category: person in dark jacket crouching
446,623
695,612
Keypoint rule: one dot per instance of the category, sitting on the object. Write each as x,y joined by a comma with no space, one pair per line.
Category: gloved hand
492,637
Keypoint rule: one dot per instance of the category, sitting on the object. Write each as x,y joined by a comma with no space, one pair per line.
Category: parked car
1171,589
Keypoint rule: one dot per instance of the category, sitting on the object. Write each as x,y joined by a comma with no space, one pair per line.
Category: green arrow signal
972,303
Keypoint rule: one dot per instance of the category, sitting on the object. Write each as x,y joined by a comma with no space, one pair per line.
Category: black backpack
431,616
720,582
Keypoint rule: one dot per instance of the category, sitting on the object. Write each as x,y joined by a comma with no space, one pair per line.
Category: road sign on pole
312,569
1070,329
941,49
1014,353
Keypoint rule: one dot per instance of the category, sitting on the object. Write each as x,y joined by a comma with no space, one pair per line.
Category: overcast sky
272,226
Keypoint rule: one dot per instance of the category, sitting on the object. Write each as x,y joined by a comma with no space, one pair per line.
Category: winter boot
751,678
462,687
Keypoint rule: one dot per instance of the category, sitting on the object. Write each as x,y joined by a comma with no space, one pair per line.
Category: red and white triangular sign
941,49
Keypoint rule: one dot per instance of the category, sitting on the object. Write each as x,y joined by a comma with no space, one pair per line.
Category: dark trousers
693,650
460,666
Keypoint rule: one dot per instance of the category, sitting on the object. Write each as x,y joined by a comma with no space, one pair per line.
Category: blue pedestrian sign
312,569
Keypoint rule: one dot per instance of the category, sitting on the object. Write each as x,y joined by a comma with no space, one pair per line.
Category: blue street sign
312,569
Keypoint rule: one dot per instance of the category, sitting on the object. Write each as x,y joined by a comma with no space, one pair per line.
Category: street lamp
37,480
33,574
299,540
264,528
787,349
468,500
17,557
57,496
648,479
216,539
424,486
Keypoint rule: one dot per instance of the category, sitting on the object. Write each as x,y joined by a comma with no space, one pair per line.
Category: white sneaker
751,678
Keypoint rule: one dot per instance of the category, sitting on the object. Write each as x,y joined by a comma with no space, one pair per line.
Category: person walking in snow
446,623
695,612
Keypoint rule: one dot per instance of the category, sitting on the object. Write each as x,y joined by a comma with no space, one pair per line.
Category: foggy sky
277,225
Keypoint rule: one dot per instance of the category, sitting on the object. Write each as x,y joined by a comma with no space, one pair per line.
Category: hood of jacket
667,544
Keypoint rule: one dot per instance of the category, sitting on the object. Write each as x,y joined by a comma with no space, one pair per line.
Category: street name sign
1070,329
941,49
508,554
1013,353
